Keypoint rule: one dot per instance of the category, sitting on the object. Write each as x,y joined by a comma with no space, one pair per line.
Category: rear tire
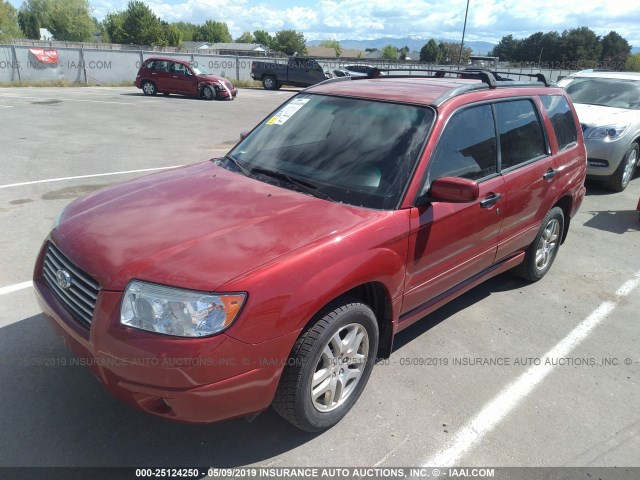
149,88
329,367
624,173
542,252
269,83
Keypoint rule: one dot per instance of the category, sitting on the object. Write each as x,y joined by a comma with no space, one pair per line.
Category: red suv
168,75
278,274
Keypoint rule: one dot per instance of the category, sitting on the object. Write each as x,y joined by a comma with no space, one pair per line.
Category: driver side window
467,146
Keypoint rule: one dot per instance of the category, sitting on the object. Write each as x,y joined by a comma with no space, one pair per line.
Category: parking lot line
5,95
510,397
16,287
33,182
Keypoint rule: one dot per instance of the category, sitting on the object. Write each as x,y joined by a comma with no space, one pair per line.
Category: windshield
199,70
607,92
358,152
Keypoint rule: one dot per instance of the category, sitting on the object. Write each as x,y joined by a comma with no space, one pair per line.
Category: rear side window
151,64
467,147
561,117
520,131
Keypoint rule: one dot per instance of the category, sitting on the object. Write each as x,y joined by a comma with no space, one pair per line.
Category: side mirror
454,189
243,134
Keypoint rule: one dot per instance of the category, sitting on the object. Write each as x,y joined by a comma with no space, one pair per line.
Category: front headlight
178,312
608,133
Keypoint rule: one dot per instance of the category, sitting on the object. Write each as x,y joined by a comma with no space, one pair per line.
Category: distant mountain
414,42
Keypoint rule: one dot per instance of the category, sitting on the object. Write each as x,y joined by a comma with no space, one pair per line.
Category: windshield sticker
287,112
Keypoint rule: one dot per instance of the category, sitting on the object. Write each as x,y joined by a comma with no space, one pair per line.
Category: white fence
96,66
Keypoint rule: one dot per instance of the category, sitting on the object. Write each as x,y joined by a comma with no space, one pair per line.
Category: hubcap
268,83
207,93
547,244
148,88
629,167
340,367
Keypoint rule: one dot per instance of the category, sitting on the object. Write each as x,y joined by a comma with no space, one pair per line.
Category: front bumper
603,158
198,380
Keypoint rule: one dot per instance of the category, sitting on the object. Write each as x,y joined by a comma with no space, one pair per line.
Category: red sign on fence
45,55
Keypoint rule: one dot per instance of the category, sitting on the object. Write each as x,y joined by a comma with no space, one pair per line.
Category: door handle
548,175
490,200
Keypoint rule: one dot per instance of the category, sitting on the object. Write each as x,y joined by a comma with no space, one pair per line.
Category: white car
608,107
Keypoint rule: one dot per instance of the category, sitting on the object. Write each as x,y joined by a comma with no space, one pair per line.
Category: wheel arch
565,204
376,296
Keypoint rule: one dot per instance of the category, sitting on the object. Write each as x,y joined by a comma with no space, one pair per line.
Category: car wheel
208,93
542,252
329,367
623,174
149,88
269,83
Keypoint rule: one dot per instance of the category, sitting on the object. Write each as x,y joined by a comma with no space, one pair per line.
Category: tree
290,42
633,63
390,52
334,44
68,20
9,27
246,37
263,38
443,53
112,25
137,25
187,30
403,52
615,49
506,48
581,45
429,53
212,32
173,35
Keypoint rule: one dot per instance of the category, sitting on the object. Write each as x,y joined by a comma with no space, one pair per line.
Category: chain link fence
82,65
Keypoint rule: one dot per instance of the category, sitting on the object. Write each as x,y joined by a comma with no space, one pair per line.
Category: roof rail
486,76
538,76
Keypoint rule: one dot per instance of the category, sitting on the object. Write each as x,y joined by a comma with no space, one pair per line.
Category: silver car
608,107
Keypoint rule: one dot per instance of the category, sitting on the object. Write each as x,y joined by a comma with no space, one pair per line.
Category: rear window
559,112
521,138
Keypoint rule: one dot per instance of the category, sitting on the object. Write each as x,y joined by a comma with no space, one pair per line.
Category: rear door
528,169
160,75
451,242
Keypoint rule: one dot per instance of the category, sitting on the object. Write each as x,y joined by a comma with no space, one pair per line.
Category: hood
194,227
213,78
597,115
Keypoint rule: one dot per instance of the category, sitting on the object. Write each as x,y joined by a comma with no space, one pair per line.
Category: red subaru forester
170,75
275,276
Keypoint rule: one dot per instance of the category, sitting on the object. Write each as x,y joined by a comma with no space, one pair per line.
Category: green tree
334,44
9,27
506,48
187,30
68,20
429,52
263,38
390,52
403,52
443,53
113,27
581,45
212,32
615,49
246,37
29,24
633,63
290,42
173,35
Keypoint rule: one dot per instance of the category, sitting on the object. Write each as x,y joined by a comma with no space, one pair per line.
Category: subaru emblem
63,279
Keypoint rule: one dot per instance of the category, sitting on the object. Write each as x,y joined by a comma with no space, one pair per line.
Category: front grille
79,297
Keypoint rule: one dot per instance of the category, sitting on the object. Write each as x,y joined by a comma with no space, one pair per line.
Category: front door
451,242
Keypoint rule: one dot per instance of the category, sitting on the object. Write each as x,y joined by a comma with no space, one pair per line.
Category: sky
489,20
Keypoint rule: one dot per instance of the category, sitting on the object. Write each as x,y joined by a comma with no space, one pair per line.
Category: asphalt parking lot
460,388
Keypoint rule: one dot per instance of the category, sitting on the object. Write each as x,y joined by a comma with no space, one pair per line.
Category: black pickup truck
298,71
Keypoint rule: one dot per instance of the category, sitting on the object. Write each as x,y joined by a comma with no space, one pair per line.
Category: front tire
623,174
208,93
329,367
149,88
269,83
542,252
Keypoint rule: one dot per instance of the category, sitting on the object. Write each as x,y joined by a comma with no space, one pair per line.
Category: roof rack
486,76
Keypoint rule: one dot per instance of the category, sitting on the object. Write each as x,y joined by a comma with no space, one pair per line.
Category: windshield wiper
305,186
240,165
